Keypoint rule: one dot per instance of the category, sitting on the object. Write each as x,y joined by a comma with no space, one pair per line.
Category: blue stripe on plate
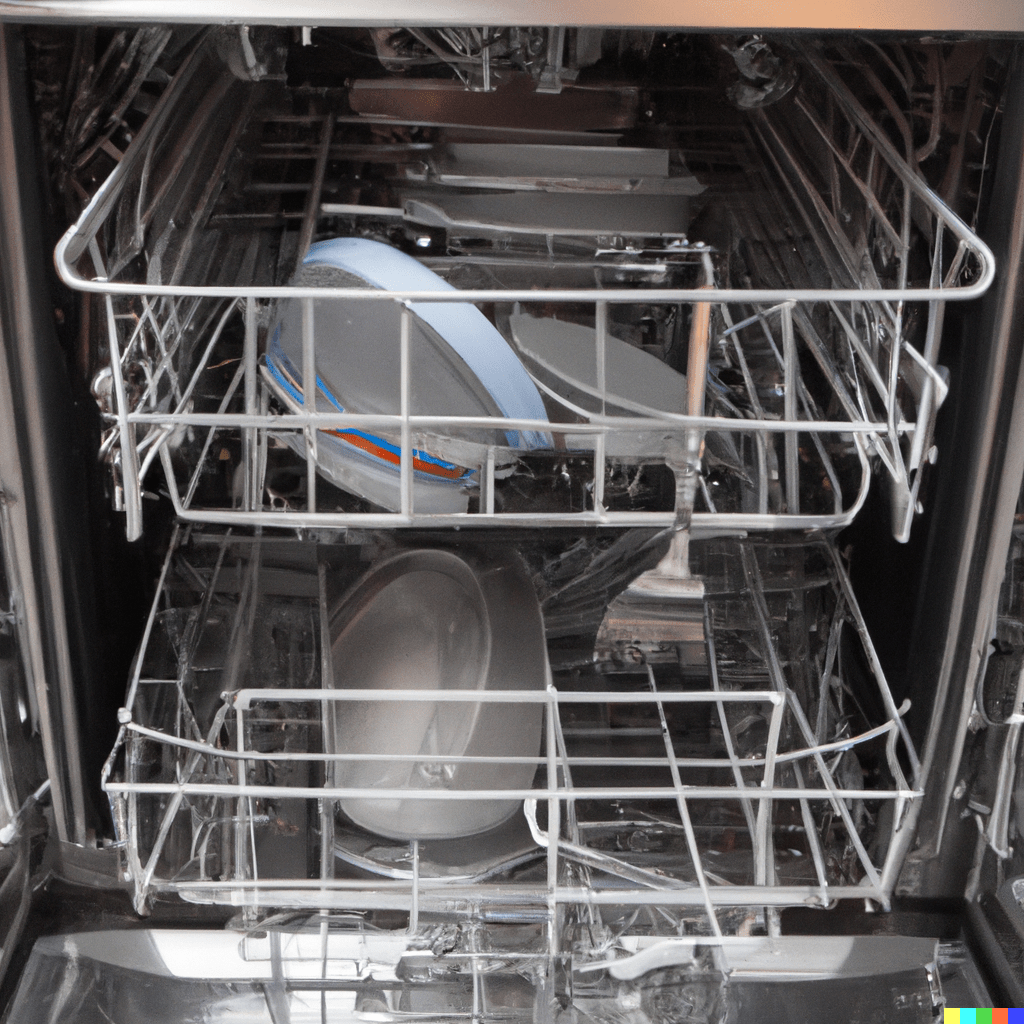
296,395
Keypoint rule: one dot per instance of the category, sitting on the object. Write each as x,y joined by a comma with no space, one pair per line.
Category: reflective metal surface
970,540
346,971
37,476
863,15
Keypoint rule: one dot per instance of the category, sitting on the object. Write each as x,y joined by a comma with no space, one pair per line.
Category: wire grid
221,787
835,324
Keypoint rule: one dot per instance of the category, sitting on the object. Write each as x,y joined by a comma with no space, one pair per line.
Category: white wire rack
832,344
761,776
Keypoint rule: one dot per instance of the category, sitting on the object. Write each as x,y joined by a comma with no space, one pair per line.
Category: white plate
428,620
565,356
562,357
460,366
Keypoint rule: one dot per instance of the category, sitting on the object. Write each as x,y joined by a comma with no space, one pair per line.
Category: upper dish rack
823,364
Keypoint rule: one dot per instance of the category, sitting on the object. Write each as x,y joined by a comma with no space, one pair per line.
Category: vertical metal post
554,821
414,908
601,336
791,371
478,995
485,53
488,482
309,388
135,868
240,804
325,805
405,467
250,453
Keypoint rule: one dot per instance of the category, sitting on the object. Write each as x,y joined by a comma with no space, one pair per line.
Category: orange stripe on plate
394,458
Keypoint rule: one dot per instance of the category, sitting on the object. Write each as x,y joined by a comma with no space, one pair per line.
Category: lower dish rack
696,789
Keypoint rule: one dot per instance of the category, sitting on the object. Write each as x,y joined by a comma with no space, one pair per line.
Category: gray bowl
430,620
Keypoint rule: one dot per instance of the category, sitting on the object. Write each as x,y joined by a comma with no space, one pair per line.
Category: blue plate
460,366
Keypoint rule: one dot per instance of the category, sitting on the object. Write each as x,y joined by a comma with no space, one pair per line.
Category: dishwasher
508,522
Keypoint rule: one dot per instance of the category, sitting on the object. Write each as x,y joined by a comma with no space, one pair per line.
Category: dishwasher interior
513,668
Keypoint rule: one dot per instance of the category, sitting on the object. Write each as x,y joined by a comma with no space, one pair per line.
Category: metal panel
969,542
855,15
34,466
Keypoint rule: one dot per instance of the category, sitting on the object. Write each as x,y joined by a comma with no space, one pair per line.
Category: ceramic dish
429,620
562,358
460,366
